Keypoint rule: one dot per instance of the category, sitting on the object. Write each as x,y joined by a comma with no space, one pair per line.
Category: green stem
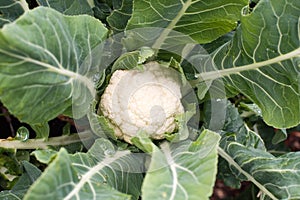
170,27
232,162
91,3
24,5
212,75
43,144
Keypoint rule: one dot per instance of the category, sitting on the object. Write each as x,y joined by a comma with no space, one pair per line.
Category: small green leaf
143,142
42,130
132,59
280,135
44,156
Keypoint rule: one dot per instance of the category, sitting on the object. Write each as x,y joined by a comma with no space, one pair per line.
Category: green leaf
143,142
119,18
10,10
262,61
268,134
204,21
42,130
99,124
182,122
276,177
68,7
121,170
42,62
98,174
280,135
30,174
132,59
234,129
44,155
184,170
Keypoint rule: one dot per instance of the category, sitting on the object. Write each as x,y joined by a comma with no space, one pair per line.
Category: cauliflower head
146,100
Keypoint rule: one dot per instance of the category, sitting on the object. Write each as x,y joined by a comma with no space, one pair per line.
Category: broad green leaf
68,7
276,177
119,18
43,60
10,10
99,174
204,21
122,169
262,61
184,170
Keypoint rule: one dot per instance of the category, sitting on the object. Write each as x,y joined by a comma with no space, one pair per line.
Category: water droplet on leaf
22,134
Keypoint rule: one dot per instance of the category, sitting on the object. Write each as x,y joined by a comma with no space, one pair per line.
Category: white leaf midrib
232,162
94,170
58,70
171,25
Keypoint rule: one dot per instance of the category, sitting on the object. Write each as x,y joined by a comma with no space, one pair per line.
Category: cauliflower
146,100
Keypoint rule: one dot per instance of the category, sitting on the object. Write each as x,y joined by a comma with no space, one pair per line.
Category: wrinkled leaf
42,61
276,177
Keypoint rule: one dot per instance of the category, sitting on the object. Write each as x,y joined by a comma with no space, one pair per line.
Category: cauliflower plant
145,99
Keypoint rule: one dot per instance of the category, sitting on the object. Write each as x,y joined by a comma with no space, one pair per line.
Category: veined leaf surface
11,9
203,21
43,60
102,173
276,177
182,170
69,7
262,61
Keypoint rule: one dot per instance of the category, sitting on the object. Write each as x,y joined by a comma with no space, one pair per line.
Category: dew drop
22,134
